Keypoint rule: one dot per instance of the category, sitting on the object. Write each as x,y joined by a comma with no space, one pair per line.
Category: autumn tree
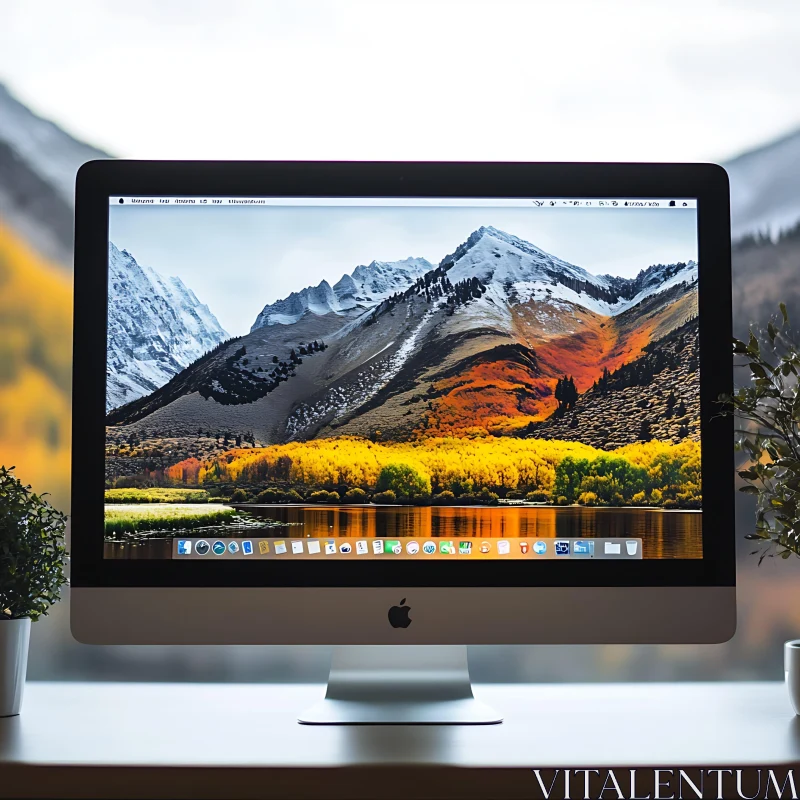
404,480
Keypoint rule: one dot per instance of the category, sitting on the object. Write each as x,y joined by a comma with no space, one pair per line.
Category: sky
432,79
237,259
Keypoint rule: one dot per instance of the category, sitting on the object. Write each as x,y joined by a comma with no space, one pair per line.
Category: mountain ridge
479,256
485,351
544,268
38,163
764,181
365,287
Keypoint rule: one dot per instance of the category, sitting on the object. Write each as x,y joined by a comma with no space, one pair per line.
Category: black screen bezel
99,180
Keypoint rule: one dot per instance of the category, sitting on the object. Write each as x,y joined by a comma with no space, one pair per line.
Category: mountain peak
492,255
318,300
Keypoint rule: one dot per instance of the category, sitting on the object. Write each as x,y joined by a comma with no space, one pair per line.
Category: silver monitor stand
399,685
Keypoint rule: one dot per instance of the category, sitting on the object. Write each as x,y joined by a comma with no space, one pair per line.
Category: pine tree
570,394
603,382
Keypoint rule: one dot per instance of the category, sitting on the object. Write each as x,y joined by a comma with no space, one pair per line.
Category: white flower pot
791,667
15,636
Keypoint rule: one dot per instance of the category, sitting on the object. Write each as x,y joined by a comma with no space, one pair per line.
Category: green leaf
784,313
33,550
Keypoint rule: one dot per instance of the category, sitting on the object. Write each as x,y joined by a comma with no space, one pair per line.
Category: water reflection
666,534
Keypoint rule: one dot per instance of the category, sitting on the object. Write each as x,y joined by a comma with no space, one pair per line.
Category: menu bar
415,202
407,548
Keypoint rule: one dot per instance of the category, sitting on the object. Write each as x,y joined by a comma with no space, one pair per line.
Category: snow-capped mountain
364,288
156,328
38,162
764,188
494,256
517,272
379,279
318,300
469,344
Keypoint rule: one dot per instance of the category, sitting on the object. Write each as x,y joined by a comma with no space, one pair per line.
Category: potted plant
33,555
769,408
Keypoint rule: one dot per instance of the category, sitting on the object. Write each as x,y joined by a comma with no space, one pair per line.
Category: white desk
81,740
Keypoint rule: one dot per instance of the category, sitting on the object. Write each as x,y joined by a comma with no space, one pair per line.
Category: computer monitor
402,403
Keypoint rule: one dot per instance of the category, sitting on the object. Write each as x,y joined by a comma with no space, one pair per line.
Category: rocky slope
656,396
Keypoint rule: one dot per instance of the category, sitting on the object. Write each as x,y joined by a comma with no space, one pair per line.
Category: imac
417,404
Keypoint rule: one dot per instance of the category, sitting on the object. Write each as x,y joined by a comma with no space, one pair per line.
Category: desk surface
242,740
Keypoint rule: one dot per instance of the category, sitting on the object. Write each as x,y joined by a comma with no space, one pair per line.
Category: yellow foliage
35,433
35,313
465,465
35,368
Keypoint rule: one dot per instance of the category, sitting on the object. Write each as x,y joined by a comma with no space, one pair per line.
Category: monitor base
404,685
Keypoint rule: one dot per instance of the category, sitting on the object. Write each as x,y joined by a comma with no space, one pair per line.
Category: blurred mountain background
38,162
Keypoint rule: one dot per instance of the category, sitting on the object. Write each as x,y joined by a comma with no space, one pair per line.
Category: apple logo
398,615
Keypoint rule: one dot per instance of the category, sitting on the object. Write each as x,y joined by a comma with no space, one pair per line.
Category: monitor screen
419,379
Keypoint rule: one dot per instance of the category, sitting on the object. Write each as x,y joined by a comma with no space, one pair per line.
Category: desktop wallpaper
391,371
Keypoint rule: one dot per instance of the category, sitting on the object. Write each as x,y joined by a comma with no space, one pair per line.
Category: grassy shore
132,519
157,495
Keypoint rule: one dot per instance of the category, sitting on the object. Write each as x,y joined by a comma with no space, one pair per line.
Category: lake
665,534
